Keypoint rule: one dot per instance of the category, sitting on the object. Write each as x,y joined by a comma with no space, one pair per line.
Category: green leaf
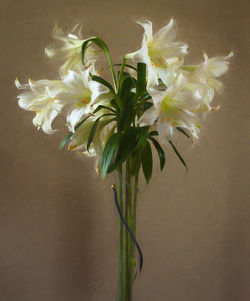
92,132
109,152
146,97
101,44
65,140
153,133
103,82
103,107
126,65
141,79
81,122
178,154
70,134
147,105
127,105
182,131
127,144
96,40
160,151
93,129
115,104
147,162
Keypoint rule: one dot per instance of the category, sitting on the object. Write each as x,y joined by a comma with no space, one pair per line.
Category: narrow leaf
160,151
153,133
126,65
65,140
103,82
182,131
103,107
92,132
109,152
147,162
141,78
178,154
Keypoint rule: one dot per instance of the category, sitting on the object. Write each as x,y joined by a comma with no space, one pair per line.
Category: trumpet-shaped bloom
159,52
174,107
209,70
68,49
80,137
39,97
80,93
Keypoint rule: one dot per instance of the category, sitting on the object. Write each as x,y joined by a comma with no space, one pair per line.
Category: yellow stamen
72,147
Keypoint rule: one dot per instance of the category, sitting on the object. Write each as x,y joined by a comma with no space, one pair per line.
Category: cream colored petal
149,117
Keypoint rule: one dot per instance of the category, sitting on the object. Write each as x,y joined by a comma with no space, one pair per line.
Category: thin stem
121,72
112,71
134,210
121,238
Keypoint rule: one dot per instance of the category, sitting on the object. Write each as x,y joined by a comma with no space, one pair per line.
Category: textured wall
57,218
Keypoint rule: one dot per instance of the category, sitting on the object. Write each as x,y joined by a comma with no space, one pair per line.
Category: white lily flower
174,107
210,69
159,52
80,93
69,49
104,129
40,98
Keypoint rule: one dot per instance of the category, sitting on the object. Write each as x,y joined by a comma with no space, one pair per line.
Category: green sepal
147,162
160,151
178,154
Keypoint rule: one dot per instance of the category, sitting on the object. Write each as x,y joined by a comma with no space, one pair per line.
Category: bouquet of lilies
153,97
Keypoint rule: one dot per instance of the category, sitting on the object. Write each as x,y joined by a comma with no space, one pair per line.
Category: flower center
155,55
83,103
170,110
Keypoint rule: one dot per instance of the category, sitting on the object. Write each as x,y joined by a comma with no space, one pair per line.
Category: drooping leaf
92,132
153,133
109,152
81,122
103,107
103,82
178,154
94,127
65,140
160,151
147,162
181,130
101,44
126,65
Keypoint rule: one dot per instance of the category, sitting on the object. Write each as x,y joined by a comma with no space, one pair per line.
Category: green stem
121,238
121,72
126,250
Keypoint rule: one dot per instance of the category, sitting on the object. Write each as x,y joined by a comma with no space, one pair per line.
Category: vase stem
126,249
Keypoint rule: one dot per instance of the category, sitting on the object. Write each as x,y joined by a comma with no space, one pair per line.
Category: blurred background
58,222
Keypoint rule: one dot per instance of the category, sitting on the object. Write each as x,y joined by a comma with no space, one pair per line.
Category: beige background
58,222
